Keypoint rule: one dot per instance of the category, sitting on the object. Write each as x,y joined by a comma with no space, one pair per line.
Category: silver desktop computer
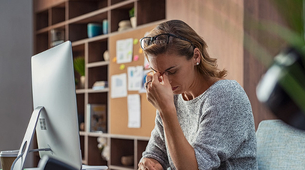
55,109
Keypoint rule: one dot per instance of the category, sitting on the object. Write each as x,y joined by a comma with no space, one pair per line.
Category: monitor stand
27,140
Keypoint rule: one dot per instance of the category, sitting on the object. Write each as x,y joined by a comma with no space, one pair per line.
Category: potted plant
133,19
79,67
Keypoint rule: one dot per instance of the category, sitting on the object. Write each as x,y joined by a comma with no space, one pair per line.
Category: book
96,119
100,85
57,36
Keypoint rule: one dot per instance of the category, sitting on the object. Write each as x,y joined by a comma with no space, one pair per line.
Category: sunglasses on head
160,39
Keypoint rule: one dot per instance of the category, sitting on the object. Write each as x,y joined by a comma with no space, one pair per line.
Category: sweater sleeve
224,130
156,148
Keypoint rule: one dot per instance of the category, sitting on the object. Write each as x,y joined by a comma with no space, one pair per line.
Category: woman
203,121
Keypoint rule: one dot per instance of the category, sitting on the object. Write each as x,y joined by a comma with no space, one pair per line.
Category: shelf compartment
58,13
119,148
77,31
78,50
94,154
119,14
78,27
42,19
141,146
42,42
97,49
149,12
98,98
94,17
97,74
78,8
80,99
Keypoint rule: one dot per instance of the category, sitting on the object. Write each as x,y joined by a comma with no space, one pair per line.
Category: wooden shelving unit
72,16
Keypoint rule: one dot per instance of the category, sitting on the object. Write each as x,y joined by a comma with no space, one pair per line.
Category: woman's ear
197,56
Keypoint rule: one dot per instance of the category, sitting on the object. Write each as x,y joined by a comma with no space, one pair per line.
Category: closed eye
171,72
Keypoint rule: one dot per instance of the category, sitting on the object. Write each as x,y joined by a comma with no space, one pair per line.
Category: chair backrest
279,146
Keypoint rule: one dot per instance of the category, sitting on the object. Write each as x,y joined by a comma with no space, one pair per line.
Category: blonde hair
208,66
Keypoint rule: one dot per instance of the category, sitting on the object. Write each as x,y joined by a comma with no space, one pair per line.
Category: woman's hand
149,164
159,92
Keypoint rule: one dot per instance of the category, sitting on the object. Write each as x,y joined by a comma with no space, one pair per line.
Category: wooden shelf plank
118,5
80,42
97,38
46,29
137,28
82,133
83,18
58,25
80,91
43,30
98,64
98,134
86,40
129,137
98,91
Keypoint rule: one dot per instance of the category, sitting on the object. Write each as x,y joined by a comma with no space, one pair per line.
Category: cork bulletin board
118,106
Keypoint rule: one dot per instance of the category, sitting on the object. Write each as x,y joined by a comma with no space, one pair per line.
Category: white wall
16,49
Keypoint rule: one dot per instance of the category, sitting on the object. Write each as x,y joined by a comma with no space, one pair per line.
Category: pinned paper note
124,49
135,41
122,66
140,50
118,85
135,78
114,59
134,111
146,65
136,58
144,75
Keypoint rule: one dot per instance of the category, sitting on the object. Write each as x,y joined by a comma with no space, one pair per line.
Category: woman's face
180,71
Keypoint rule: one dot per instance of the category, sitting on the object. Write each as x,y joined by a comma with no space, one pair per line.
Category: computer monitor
53,88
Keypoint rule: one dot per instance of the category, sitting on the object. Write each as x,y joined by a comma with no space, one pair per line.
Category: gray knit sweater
219,126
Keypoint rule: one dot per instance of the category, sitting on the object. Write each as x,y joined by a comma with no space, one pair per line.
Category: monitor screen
53,88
